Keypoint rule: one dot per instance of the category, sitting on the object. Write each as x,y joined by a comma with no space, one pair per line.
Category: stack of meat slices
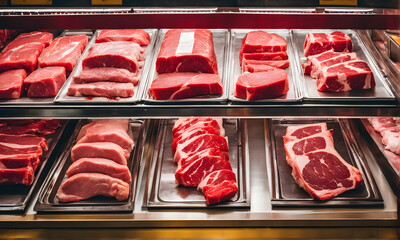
201,151
187,66
113,66
21,149
316,166
331,62
99,165
389,128
262,57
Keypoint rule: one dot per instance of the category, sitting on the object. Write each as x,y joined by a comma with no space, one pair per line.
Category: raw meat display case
262,205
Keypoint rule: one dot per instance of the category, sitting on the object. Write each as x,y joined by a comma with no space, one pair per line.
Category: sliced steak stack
187,66
262,58
333,65
113,66
22,148
100,159
201,151
389,128
316,166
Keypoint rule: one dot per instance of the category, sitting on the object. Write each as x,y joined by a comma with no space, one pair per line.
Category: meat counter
261,211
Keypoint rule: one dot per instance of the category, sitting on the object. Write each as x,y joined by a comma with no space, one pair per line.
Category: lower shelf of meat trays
260,214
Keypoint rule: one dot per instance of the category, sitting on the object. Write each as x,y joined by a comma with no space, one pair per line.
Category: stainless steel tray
381,93
62,96
221,46
284,190
48,201
163,192
378,141
15,198
48,100
293,71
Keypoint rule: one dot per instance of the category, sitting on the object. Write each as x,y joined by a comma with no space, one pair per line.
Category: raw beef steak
382,123
11,83
102,89
187,50
316,63
19,161
261,41
138,36
316,43
17,149
264,56
24,175
24,139
324,174
106,150
184,125
185,85
262,85
100,165
82,186
45,82
346,76
304,130
114,54
64,52
190,133
247,65
105,74
219,186
41,127
209,152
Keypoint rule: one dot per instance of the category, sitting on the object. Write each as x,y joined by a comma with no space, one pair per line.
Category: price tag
31,2
106,2
338,2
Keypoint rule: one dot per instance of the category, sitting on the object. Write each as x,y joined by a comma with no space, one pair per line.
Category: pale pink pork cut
23,175
138,36
391,139
262,85
114,54
275,56
100,165
107,150
64,52
102,89
23,52
106,74
346,76
187,50
316,63
382,123
11,83
199,143
170,86
261,41
219,186
45,82
24,139
316,43
324,174
83,186
304,130
263,65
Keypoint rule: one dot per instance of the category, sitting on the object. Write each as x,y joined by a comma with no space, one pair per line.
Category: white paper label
186,42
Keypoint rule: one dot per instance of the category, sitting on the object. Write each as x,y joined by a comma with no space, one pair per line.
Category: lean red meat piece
23,52
319,141
187,50
265,56
15,149
138,36
64,52
185,85
100,165
45,82
190,133
106,150
263,66
382,123
82,186
114,54
192,173
11,83
262,85
325,174
102,89
24,175
109,130
304,130
351,75
214,152
219,186
316,63
19,161
199,143
104,74
25,139
391,139
184,125
316,43
394,159
261,41
41,127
